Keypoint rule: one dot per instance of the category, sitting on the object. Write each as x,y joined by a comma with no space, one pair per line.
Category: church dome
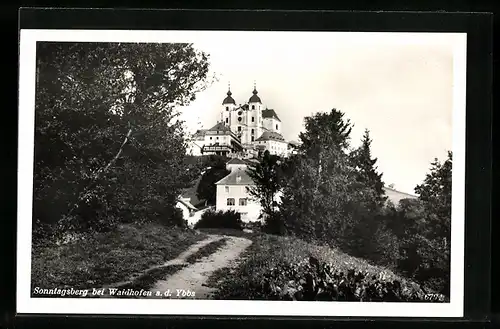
254,98
229,99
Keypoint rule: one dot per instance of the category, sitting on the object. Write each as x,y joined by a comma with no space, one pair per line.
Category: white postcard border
26,304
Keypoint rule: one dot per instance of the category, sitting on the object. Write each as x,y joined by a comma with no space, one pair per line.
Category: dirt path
192,278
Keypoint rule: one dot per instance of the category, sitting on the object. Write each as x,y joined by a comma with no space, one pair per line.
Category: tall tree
106,125
267,177
215,171
325,130
366,172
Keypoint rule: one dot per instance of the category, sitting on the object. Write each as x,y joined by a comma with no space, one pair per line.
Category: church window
276,127
253,138
239,128
227,189
252,132
227,108
227,120
239,119
253,107
230,201
216,137
243,202
253,119
210,138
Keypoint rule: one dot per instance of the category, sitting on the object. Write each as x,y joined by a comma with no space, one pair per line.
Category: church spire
254,98
229,99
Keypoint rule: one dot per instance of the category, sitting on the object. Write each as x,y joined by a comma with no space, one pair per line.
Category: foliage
229,219
267,178
106,126
281,268
366,172
323,130
97,259
207,190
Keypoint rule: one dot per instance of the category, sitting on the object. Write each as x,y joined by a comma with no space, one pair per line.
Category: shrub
220,219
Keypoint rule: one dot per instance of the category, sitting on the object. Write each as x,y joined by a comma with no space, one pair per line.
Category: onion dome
229,99
254,98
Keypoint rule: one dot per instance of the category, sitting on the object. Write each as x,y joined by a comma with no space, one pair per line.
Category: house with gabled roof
232,192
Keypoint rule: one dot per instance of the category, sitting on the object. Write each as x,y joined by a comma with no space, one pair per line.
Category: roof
220,127
187,204
270,135
236,161
254,98
231,179
270,113
395,196
229,99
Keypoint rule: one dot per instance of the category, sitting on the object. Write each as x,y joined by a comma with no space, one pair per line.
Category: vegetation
216,170
106,126
104,258
220,219
333,194
286,268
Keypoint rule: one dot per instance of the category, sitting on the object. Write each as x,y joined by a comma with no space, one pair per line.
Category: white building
218,140
188,210
232,193
255,127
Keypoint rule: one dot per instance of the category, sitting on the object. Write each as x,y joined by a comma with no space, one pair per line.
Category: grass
269,251
106,258
207,250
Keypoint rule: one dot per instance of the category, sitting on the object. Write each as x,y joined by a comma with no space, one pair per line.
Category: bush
313,281
220,219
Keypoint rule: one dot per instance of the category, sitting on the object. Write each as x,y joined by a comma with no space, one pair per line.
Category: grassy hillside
107,258
276,267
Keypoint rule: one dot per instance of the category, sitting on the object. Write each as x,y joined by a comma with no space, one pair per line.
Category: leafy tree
108,142
268,182
367,172
207,190
324,130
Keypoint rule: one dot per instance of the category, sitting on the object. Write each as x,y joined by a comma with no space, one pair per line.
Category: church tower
254,116
228,105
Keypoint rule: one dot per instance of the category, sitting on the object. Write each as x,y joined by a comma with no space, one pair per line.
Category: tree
106,125
267,178
366,172
324,130
207,190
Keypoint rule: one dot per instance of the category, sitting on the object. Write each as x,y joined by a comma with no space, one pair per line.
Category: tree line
333,194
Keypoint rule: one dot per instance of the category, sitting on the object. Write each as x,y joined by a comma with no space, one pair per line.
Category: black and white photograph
241,173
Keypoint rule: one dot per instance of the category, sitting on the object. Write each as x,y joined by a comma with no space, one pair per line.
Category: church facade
242,131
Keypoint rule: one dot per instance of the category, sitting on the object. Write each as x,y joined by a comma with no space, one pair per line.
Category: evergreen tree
366,172
325,130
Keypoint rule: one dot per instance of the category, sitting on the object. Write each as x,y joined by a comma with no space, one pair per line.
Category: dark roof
270,135
220,127
229,99
187,204
236,161
254,98
231,179
270,113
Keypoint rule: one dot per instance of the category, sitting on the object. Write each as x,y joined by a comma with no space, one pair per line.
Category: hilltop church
241,131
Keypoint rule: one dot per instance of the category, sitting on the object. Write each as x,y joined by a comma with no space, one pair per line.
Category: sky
399,86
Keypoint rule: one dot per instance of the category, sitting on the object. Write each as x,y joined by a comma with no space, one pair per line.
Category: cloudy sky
398,86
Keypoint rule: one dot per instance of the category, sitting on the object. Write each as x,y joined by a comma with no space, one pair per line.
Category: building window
227,189
216,137
253,138
253,119
230,201
243,202
227,120
239,128
227,108
276,127
253,107
210,138
252,131
239,119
